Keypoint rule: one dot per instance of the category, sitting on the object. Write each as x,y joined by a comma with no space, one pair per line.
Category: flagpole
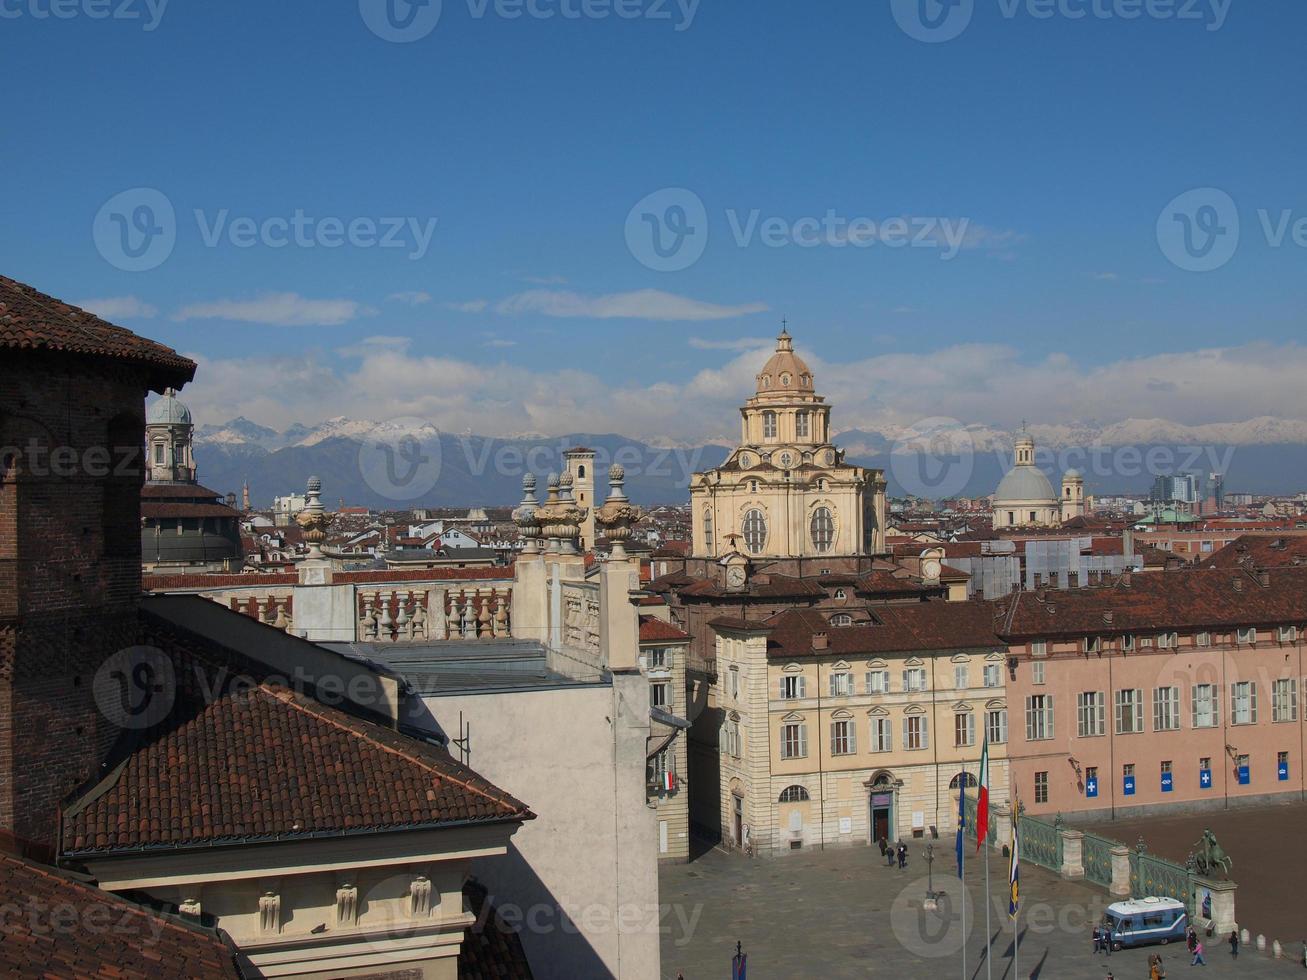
962,848
989,900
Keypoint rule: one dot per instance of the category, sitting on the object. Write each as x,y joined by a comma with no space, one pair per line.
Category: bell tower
581,464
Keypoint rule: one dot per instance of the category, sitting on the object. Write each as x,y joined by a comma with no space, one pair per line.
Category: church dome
1025,483
785,371
167,410
1073,474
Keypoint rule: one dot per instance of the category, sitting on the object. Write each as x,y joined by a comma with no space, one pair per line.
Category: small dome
785,370
167,410
1072,474
1025,483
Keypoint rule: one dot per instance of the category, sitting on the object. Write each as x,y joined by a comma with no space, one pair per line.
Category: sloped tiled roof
1187,598
107,937
31,320
920,626
259,761
655,630
491,950
1261,551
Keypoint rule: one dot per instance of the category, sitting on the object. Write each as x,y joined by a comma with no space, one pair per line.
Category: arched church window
580,472
755,531
766,380
769,425
841,619
707,528
823,530
794,794
786,379
971,781
801,425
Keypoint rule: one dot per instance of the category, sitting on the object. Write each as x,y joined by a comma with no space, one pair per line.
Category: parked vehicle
1146,922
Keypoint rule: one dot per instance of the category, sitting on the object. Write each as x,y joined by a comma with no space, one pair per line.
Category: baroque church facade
786,492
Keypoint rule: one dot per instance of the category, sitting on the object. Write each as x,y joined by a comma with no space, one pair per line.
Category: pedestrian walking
1098,940
1234,943
903,855
889,856
1198,953
1191,939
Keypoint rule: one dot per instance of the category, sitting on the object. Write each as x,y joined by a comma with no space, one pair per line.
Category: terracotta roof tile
655,630
919,626
109,937
31,320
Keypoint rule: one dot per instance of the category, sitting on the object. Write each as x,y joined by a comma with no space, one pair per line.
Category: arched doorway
882,789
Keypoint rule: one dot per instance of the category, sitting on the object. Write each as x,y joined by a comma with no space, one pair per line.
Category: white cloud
278,310
111,307
737,343
642,304
413,297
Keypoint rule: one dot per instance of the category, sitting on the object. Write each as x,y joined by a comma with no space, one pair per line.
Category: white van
1145,921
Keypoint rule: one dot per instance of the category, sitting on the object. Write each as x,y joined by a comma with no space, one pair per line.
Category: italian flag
982,797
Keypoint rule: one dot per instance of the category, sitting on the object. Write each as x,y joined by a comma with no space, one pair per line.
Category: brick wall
69,570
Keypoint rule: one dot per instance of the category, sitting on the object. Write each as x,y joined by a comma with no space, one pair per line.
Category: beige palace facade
839,736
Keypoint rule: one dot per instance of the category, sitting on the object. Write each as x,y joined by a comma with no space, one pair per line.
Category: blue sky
1052,144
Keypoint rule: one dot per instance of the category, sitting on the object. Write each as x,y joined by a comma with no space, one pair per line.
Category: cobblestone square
843,913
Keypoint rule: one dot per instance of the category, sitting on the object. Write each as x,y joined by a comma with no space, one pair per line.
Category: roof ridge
287,696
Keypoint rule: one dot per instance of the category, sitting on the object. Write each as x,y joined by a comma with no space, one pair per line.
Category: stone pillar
1120,871
1000,818
1073,846
1223,920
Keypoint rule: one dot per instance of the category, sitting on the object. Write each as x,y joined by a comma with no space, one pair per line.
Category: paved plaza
843,913
1269,849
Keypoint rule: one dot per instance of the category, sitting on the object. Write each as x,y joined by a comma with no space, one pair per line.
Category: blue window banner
1168,783
1204,779
1091,787
1129,787
1282,770
1244,776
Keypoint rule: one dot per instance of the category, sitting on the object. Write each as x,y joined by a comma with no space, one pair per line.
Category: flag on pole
739,964
982,797
962,815
1014,868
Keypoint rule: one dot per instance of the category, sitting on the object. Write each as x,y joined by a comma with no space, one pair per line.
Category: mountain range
1259,456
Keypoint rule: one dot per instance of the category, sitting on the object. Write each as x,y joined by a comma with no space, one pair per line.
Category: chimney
1108,617
1127,578
1264,579
1238,584
820,641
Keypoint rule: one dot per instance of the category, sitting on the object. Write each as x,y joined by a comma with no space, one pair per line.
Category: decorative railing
969,807
1041,842
1096,856
271,609
423,615
1153,875
581,616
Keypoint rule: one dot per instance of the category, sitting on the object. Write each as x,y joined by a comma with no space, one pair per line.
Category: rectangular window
1037,672
1129,711
735,682
1166,766
914,679
1168,641
1039,717
794,740
658,767
1205,762
993,675
1243,703
731,741
964,729
915,732
961,680
1166,709
1203,639
657,657
881,738
1041,787
1093,644
1284,700
1090,714
1247,637
878,682
1039,648
996,725
1206,708
1128,642
660,694
792,687
1128,769
1288,634
843,738
801,425
841,684
769,425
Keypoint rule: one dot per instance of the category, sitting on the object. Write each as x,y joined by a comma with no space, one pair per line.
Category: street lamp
931,897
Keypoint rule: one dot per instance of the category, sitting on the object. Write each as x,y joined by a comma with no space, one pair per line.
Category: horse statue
1209,855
